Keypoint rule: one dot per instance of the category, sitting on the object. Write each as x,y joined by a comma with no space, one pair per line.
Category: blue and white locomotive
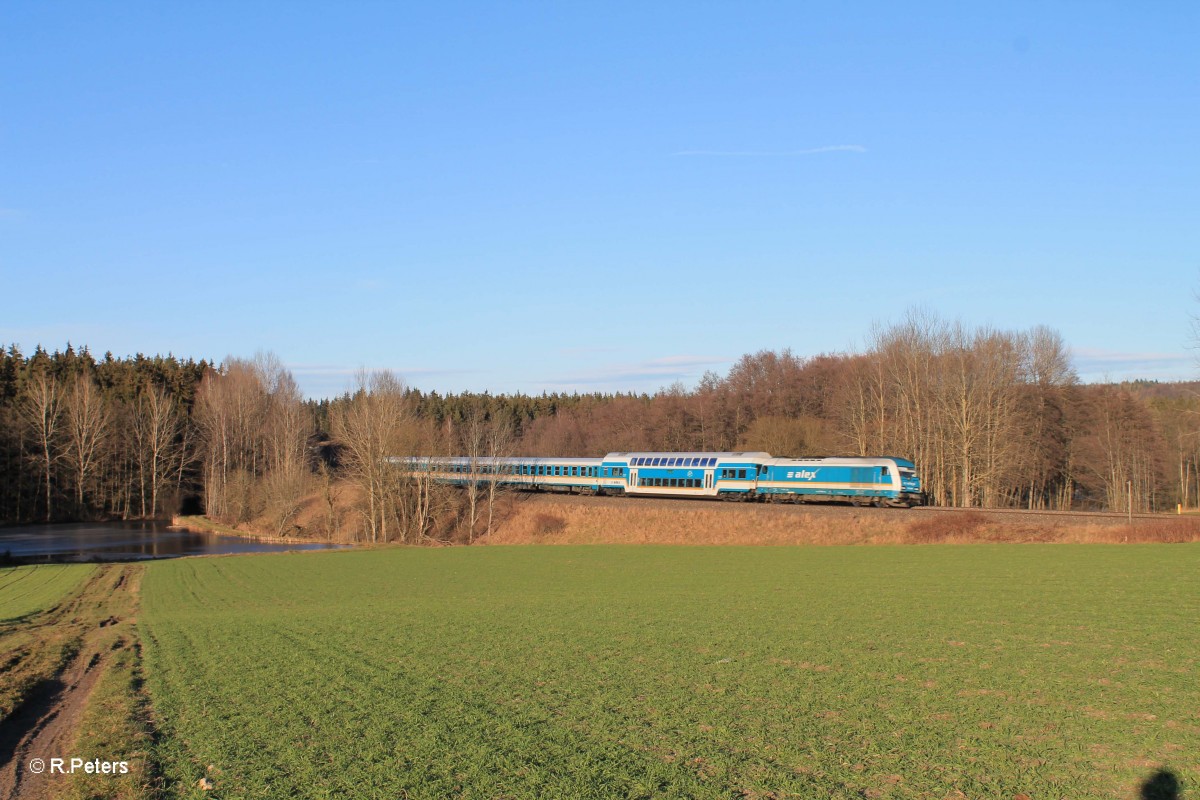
733,476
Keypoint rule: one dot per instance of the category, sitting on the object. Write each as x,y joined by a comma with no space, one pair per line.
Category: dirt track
46,724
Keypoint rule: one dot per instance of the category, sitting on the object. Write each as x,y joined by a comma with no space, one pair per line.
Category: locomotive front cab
910,484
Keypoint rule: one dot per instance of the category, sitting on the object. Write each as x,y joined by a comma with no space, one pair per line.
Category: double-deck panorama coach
732,476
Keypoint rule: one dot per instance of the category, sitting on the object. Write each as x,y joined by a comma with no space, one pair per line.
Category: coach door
633,477
708,479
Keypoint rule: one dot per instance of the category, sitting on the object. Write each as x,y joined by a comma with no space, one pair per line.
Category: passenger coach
730,475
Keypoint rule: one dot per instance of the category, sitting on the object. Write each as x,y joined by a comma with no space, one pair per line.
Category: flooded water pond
123,541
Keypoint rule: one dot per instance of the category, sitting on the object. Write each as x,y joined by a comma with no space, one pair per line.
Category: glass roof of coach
721,456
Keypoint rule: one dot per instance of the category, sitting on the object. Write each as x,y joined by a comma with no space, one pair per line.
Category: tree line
992,418
81,437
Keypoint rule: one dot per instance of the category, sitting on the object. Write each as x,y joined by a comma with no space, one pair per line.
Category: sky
529,197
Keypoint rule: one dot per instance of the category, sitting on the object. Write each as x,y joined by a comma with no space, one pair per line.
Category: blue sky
529,197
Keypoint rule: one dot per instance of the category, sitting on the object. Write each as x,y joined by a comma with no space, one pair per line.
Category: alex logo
802,474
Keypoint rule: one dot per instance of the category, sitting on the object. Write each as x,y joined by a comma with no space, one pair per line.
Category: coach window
741,473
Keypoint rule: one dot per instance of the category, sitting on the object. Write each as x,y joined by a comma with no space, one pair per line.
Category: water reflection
121,541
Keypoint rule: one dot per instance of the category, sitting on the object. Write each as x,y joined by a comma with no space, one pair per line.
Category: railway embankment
571,519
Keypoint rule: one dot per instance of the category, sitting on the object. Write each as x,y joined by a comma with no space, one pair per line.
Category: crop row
26,590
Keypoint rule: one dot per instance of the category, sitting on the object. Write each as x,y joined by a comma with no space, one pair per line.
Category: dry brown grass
1169,531
946,527
550,521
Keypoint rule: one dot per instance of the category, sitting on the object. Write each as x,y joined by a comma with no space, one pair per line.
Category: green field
892,672
27,590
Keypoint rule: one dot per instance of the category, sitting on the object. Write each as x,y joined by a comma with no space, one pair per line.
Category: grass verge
72,690
37,636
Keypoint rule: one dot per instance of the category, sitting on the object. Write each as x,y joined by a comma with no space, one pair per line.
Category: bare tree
365,427
285,435
1122,450
231,410
42,410
88,423
155,428
498,440
474,435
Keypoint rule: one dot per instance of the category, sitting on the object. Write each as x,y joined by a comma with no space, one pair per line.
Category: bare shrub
943,527
1172,531
547,524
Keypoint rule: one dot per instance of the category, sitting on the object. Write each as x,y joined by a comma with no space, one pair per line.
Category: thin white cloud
339,370
654,372
1096,364
811,151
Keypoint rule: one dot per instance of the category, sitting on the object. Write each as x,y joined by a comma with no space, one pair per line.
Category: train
881,481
